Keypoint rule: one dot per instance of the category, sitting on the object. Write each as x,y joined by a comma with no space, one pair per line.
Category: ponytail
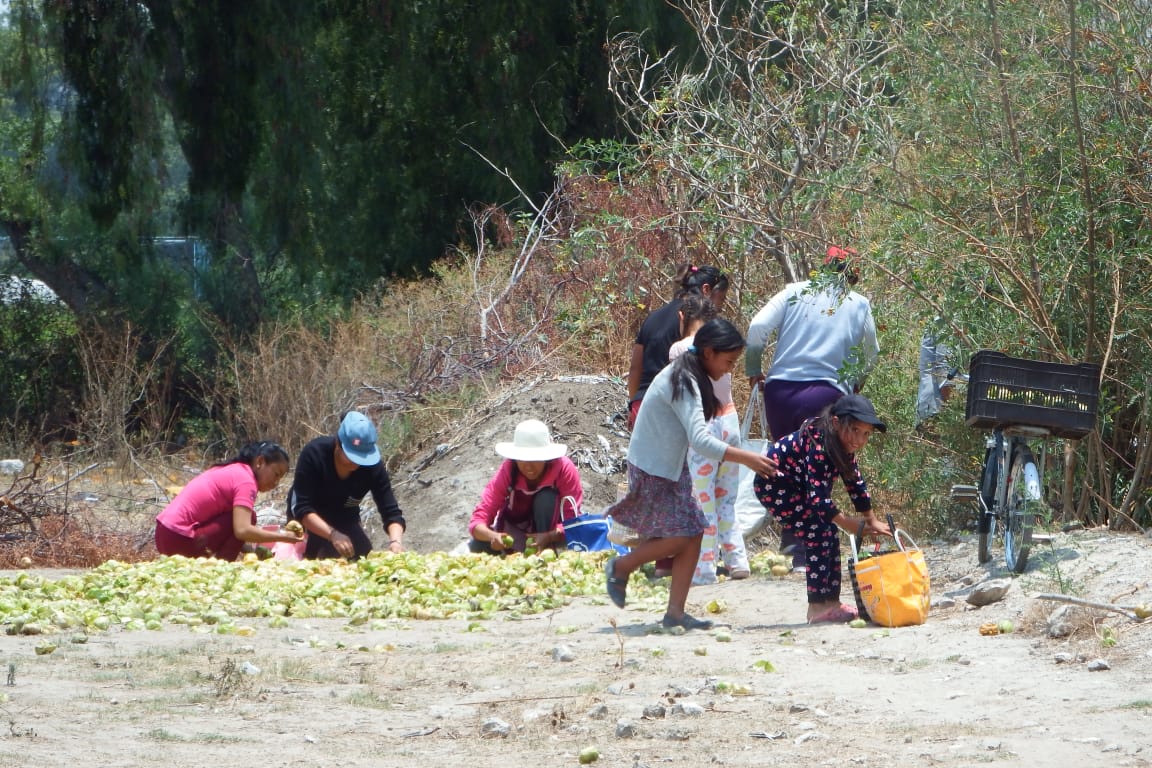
692,279
270,451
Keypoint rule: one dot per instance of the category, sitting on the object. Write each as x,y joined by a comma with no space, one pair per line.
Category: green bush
39,368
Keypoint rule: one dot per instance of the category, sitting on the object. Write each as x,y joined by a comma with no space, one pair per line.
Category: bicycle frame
1010,493
1022,401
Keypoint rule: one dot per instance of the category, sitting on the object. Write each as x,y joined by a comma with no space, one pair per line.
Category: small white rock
687,709
495,728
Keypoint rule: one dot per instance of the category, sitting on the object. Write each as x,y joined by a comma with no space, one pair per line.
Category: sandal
835,615
685,621
617,587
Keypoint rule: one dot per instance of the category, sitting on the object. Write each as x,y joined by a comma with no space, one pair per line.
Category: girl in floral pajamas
800,495
714,482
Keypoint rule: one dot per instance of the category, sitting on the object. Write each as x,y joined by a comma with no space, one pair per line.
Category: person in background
823,329
715,482
659,331
660,504
526,498
333,475
800,495
214,515
662,328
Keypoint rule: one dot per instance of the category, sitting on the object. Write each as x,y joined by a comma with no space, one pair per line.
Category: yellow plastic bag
893,588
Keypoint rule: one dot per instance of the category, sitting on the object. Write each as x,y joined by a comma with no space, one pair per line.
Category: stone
495,728
1062,621
989,592
597,712
687,709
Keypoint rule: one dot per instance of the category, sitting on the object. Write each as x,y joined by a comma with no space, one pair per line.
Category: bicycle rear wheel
1024,500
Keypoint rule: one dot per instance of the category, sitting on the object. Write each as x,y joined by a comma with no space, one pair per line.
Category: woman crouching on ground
214,515
661,505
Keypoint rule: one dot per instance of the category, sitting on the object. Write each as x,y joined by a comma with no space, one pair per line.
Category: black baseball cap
859,408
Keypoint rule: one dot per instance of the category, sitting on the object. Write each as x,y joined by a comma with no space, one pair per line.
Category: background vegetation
401,205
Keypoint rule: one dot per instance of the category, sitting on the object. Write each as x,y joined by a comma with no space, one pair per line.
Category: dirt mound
440,487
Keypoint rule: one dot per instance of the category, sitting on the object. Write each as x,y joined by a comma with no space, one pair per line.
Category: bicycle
1023,402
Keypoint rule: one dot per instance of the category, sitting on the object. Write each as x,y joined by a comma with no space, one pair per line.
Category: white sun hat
531,442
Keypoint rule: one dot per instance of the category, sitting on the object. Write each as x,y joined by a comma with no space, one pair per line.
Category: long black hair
824,424
717,334
692,279
695,307
272,453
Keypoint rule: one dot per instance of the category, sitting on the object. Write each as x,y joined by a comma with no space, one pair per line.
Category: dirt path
536,691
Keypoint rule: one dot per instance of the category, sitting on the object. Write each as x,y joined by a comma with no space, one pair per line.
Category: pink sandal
835,615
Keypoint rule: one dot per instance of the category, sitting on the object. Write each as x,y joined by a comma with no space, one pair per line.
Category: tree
982,187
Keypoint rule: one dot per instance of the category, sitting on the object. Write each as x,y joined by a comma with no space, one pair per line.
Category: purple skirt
657,507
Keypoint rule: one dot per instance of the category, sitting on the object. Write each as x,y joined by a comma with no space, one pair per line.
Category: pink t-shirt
213,492
560,474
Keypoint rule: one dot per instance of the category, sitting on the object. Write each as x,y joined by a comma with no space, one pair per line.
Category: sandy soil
535,691
538,690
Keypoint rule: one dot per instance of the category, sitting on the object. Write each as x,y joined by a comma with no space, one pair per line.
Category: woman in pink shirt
214,515
528,495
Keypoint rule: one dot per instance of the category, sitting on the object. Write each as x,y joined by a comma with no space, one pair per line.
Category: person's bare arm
635,370
244,530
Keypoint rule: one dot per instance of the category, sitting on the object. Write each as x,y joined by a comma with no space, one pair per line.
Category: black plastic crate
1005,391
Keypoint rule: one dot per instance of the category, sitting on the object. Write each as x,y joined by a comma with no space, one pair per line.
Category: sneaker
685,621
739,574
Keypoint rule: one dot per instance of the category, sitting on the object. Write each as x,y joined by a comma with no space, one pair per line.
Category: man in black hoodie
333,475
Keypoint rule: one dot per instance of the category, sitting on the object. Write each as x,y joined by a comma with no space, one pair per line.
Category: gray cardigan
665,428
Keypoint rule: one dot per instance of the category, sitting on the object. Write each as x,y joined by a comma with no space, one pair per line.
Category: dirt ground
764,689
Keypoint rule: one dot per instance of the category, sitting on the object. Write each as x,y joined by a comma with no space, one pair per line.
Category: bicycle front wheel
1024,499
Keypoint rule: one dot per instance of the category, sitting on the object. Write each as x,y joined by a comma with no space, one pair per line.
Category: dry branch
1124,610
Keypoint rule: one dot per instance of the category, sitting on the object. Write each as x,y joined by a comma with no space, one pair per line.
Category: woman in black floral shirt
800,495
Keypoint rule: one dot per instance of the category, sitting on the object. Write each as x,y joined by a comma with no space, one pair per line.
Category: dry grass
73,540
416,352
